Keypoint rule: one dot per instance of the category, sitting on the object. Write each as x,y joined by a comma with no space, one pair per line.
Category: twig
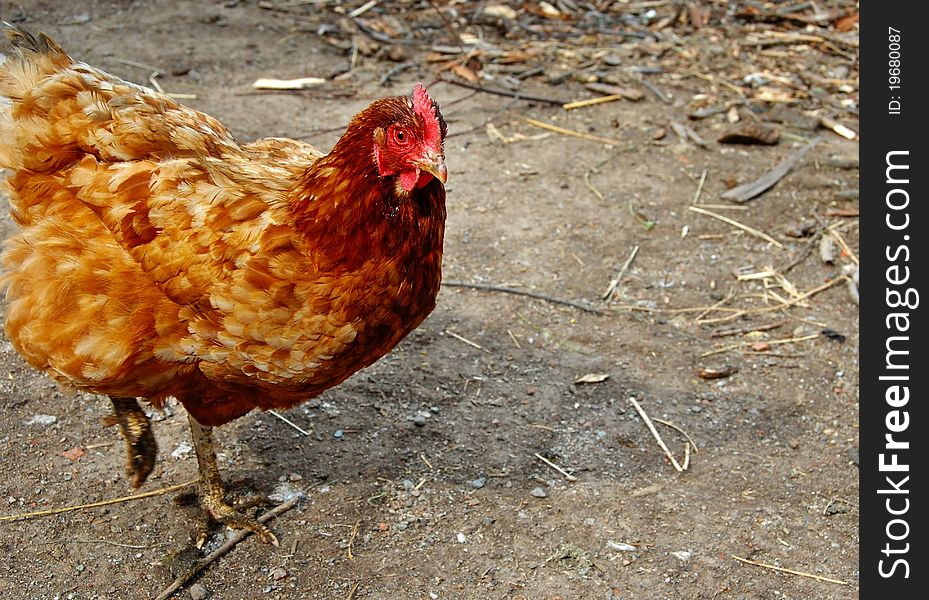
507,290
448,25
235,538
614,283
289,422
699,187
843,245
743,330
363,9
507,93
351,540
651,427
791,571
577,134
111,543
654,89
746,228
465,340
567,475
677,429
386,77
792,340
351,592
140,65
591,101
754,311
58,511
747,191
513,337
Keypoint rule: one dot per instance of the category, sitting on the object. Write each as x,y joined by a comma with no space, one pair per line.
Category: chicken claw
212,494
141,447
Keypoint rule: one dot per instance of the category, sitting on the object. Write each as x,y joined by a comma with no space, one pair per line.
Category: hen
159,257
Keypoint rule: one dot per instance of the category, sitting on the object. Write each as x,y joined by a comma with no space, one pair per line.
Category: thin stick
506,93
141,65
465,340
117,544
758,234
791,571
771,343
234,539
764,309
687,455
700,187
363,9
513,337
614,283
537,295
567,475
677,429
843,245
591,101
571,132
351,592
651,427
289,422
351,540
58,511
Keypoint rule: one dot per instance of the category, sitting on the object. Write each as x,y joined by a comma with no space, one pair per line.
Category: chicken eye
400,136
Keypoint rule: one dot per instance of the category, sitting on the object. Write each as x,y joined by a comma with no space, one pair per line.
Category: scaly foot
216,509
141,447
212,494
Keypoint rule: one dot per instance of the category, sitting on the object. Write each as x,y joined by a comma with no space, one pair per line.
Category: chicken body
158,257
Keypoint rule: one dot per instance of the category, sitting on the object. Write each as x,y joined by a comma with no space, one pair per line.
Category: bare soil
420,473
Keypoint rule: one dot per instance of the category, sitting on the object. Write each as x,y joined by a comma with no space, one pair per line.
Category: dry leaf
74,453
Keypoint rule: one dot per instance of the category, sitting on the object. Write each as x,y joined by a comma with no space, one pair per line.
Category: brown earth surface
421,473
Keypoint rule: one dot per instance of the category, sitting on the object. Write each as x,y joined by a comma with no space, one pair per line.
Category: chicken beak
434,164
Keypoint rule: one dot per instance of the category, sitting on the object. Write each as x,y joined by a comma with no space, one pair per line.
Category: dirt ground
421,474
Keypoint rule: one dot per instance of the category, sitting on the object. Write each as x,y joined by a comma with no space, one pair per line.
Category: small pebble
682,555
478,483
488,520
278,573
198,592
538,492
461,538
419,420
853,455
338,434
41,420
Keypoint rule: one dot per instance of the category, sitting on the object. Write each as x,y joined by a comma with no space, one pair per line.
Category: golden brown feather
159,257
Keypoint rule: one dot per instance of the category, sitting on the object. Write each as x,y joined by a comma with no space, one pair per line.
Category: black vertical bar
894,262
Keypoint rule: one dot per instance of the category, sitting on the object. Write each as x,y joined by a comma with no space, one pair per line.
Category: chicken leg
212,494
141,447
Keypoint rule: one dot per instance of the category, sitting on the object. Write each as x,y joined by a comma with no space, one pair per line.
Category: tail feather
27,60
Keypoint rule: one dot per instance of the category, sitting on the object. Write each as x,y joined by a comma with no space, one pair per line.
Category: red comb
425,107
